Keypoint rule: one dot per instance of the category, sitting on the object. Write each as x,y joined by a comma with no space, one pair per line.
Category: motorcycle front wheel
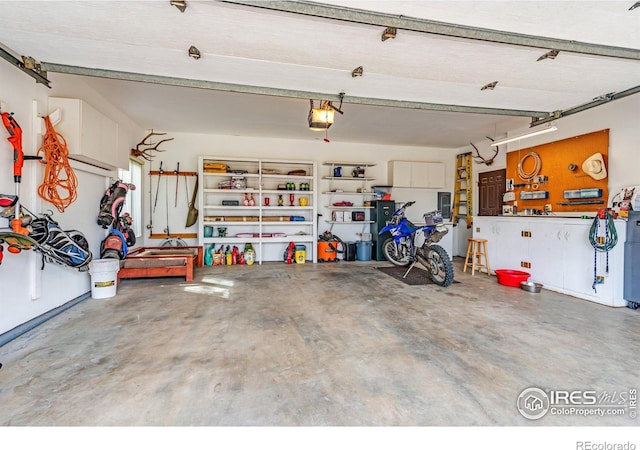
399,255
439,265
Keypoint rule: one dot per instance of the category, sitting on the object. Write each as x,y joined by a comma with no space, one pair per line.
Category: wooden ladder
463,194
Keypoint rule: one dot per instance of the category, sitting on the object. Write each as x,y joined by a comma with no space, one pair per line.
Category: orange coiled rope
60,183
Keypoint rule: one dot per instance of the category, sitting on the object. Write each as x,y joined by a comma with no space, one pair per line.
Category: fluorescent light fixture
547,128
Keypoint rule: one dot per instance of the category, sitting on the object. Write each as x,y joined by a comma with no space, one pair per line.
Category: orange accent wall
555,160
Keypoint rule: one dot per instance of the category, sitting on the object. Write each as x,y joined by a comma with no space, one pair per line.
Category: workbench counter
557,252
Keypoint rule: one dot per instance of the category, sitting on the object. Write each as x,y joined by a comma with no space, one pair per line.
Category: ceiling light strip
276,92
542,130
441,28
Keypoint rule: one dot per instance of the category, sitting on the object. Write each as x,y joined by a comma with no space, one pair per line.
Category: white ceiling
266,49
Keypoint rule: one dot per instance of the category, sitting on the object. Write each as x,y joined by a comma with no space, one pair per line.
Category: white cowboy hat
594,167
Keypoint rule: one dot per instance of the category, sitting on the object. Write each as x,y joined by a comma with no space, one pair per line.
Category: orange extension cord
59,178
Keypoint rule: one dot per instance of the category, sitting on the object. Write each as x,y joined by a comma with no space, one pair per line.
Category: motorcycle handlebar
400,210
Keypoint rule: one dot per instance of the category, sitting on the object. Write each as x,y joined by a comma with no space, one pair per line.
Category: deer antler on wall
145,153
488,162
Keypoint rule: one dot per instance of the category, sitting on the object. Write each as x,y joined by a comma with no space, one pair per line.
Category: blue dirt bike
410,244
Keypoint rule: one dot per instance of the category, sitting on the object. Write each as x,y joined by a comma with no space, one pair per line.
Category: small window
133,203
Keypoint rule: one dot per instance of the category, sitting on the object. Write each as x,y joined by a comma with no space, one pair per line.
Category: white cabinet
579,278
416,174
91,136
546,252
399,174
556,252
348,195
280,213
497,232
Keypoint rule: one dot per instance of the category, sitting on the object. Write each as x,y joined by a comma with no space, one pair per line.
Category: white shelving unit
354,189
268,227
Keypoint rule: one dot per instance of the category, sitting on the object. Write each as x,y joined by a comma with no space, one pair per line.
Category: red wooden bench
151,262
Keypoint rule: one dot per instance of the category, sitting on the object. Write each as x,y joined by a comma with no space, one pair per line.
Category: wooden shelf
349,207
348,178
297,177
350,164
348,193
237,208
230,175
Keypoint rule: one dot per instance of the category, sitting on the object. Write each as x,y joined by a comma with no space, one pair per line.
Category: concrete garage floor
326,344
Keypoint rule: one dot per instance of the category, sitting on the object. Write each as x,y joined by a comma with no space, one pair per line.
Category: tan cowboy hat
594,166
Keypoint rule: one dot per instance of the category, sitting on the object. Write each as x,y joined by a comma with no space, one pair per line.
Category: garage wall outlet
477,229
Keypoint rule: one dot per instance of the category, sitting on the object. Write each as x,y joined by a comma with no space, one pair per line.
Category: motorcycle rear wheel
439,265
401,258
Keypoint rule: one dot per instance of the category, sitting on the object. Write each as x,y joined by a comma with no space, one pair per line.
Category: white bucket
104,276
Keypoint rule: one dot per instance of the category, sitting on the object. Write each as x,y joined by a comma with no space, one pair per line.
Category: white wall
185,148
28,292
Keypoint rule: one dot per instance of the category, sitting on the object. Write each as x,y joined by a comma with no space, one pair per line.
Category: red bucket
511,277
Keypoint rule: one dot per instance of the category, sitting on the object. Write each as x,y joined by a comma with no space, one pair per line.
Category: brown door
492,187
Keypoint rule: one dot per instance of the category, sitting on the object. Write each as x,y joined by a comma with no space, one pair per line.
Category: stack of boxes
347,216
